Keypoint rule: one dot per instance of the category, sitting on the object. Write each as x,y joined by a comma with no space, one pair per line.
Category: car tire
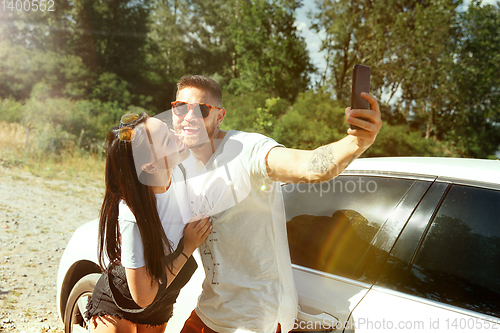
77,303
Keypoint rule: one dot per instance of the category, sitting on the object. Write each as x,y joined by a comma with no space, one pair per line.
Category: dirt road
37,218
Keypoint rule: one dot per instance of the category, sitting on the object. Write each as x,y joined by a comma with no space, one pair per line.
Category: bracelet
184,255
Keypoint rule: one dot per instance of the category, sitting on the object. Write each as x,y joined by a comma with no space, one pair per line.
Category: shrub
57,124
401,141
313,120
11,111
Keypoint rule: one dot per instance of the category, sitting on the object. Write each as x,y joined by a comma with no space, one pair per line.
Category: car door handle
321,320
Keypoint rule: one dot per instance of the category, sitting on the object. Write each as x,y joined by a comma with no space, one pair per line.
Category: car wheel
77,303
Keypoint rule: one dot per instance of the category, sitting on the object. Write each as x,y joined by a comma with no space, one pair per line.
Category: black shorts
102,302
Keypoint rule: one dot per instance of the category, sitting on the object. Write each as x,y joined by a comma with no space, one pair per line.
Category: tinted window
333,226
396,267
459,261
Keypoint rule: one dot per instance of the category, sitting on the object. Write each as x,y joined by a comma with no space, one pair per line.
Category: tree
474,123
248,45
269,53
167,31
407,43
185,38
107,36
345,23
313,120
46,28
111,36
211,44
21,68
420,45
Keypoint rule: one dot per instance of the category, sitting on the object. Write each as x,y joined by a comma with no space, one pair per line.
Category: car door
340,233
443,273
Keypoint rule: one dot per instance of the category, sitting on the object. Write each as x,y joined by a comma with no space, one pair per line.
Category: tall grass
56,137
66,164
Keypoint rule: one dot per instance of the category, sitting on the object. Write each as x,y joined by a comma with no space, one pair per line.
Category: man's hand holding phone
364,114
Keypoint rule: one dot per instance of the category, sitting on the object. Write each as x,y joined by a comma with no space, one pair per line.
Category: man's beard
195,146
198,141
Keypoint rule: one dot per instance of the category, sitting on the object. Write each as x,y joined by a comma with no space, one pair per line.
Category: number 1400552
27,5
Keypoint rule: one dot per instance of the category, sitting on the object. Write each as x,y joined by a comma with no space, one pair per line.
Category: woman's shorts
102,302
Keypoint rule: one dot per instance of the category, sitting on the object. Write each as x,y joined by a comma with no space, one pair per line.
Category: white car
392,244
79,271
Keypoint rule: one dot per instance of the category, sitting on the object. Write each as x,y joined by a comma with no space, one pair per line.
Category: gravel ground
37,219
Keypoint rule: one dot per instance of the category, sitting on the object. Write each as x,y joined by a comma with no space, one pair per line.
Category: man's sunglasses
200,109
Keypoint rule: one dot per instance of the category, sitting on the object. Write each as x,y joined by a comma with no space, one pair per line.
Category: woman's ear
149,168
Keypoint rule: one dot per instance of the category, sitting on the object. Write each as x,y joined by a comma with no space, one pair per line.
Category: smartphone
360,83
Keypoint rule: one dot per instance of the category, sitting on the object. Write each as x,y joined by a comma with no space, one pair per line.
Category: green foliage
70,74
168,52
41,28
347,28
474,125
269,53
58,124
444,65
241,110
111,37
109,88
423,59
266,121
166,43
407,44
253,112
46,120
313,120
22,68
251,46
11,111
399,140
201,40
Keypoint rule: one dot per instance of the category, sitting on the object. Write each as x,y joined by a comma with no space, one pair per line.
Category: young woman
143,229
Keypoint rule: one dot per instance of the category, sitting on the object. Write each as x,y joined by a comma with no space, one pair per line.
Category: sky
313,39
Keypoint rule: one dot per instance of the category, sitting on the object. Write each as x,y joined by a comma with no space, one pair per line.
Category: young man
234,177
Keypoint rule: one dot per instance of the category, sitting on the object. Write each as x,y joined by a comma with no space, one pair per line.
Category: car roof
476,170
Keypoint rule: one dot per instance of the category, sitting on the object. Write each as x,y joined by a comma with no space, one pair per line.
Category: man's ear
149,168
220,115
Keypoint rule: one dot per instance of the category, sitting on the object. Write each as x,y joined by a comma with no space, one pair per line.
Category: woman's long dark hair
122,183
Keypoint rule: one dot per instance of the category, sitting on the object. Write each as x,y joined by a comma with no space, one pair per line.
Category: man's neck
204,153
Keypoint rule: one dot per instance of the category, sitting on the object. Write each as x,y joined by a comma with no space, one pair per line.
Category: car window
396,267
458,262
332,226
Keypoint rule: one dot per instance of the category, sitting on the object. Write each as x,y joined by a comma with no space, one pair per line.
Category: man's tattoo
322,160
352,159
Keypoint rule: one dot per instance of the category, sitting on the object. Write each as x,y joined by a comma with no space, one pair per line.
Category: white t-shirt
249,283
174,212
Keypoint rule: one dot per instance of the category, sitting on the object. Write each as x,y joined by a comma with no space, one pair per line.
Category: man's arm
326,162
